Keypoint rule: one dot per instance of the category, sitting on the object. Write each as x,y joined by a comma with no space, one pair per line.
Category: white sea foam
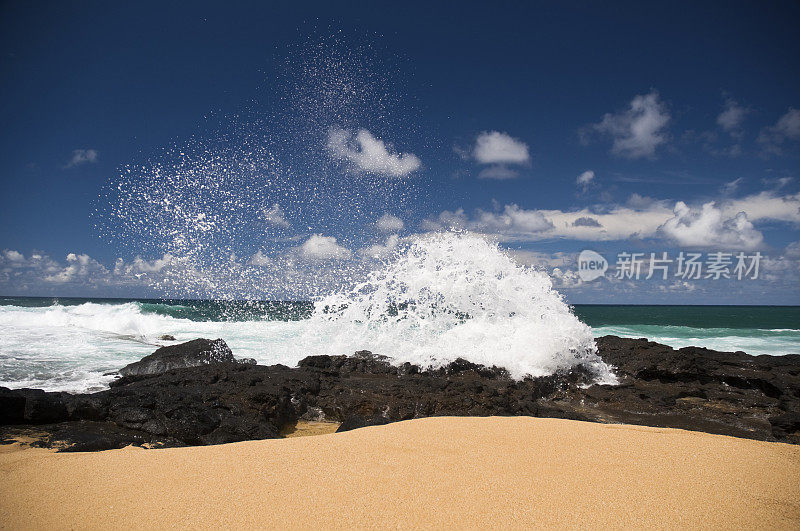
777,341
450,295
442,297
70,348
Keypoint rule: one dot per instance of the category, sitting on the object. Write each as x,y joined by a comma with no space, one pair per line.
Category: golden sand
442,472
304,428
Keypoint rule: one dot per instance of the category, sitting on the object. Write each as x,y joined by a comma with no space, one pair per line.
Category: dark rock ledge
190,354
220,400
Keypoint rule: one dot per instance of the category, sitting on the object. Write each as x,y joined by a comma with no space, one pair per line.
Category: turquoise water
596,315
194,310
729,317
754,329
70,343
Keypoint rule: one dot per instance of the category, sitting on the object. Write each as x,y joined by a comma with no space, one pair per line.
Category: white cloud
389,223
498,151
82,156
773,138
783,269
708,227
260,259
446,220
585,179
494,147
617,223
731,118
290,275
777,182
640,201
512,221
275,216
79,266
566,278
679,285
369,154
639,130
140,267
319,247
383,250
766,206
641,217
586,222
13,256
541,260
144,266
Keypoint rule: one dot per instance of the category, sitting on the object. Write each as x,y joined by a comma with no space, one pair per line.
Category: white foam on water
754,341
70,348
454,295
444,296
441,297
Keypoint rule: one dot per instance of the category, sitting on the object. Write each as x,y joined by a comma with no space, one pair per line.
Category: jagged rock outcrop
189,354
224,401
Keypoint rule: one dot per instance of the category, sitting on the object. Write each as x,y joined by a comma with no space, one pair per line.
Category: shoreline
442,471
197,393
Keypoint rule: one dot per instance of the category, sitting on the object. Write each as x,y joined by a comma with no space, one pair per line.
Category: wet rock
353,422
166,337
786,426
694,388
363,362
42,407
697,389
189,354
12,407
87,407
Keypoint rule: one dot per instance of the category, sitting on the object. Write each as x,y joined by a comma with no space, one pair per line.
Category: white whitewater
441,297
451,295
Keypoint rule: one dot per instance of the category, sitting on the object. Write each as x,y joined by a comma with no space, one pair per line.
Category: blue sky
515,121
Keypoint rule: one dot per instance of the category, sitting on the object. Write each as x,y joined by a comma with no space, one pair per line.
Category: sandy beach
446,471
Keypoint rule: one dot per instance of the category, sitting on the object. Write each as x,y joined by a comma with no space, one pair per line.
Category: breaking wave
451,295
441,297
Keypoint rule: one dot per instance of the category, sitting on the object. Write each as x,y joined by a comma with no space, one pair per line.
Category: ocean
69,344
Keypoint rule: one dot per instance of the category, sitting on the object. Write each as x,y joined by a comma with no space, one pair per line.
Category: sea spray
72,345
263,204
439,297
450,295
281,201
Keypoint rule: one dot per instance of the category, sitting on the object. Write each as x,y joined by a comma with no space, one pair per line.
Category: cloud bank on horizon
725,226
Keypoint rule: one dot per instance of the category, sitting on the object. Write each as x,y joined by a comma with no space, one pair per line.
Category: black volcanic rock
786,426
31,406
354,422
189,354
12,406
692,388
